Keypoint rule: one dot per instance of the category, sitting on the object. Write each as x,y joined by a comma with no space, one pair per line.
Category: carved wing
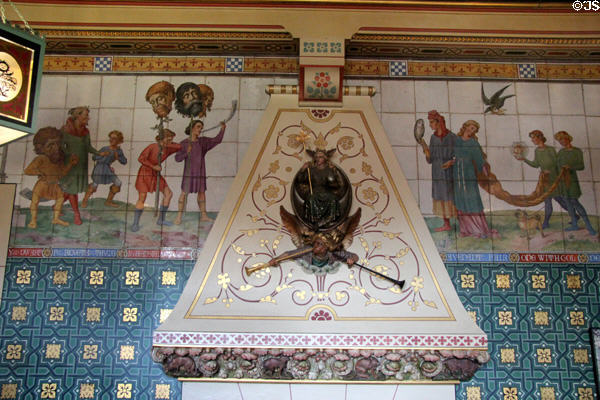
291,223
351,226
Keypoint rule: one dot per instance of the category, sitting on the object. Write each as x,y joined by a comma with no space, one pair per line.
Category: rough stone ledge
320,364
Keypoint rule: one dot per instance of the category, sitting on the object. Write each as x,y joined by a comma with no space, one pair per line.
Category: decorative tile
234,64
398,68
103,64
527,71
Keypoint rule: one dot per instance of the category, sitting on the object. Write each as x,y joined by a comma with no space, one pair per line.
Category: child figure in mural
545,159
468,161
50,167
148,177
193,151
440,151
103,173
76,141
571,158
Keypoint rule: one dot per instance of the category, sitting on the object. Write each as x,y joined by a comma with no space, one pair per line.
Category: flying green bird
494,104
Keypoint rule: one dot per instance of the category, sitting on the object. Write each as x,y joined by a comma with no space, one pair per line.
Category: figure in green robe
571,158
545,158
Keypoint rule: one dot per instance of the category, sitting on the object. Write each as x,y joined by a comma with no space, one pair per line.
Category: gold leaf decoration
403,252
301,294
340,295
282,287
372,300
238,249
210,300
277,150
395,289
383,187
274,166
364,244
249,232
391,235
257,184
267,299
336,129
367,169
243,288
321,143
430,304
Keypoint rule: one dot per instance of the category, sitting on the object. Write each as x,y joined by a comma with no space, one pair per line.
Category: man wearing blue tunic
103,173
440,151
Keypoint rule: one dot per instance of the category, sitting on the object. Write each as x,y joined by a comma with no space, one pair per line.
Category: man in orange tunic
146,181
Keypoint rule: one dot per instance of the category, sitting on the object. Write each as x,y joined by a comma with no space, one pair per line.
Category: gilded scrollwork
266,236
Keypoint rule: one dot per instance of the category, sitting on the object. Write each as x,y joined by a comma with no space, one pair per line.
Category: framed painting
21,61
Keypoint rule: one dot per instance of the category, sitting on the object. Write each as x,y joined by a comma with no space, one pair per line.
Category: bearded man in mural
76,141
161,96
189,101
49,166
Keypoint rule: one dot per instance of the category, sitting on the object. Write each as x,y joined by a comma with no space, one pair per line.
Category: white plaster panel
226,89
376,99
465,97
264,391
221,160
53,92
118,91
27,182
399,128
575,126
92,124
214,117
216,190
528,123
512,187
143,83
286,80
407,157
586,174
532,98
242,147
210,391
143,121
248,124
491,87
593,129
414,189
2,271
566,98
423,167
361,392
111,119
425,392
588,197
83,90
456,121
308,391
425,201
591,98
501,130
177,80
252,93
50,117
15,156
431,95
398,96
595,164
